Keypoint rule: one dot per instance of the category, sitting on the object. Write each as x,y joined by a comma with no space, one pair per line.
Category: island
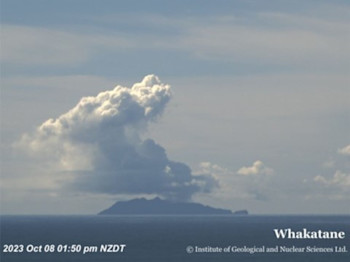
157,206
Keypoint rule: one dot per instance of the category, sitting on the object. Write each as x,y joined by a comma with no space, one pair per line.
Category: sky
233,104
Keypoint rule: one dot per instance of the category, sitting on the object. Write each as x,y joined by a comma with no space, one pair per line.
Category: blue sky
260,95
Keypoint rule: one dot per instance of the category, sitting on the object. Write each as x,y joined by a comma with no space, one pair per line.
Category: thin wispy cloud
33,45
274,38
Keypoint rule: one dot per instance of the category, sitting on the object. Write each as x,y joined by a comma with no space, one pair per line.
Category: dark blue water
166,238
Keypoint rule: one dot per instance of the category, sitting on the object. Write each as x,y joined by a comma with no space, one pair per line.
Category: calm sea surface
169,238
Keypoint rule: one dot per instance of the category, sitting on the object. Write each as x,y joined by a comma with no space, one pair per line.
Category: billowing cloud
96,146
258,168
344,151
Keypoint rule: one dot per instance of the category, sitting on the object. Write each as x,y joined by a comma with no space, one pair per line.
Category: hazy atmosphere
232,104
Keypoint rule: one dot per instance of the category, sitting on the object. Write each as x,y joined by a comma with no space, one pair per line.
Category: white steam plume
98,143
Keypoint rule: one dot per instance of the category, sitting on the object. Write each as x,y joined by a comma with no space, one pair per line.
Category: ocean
170,238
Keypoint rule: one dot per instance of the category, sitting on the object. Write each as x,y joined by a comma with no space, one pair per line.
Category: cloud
258,168
97,146
236,186
340,179
330,163
337,184
344,151
30,45
271,38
